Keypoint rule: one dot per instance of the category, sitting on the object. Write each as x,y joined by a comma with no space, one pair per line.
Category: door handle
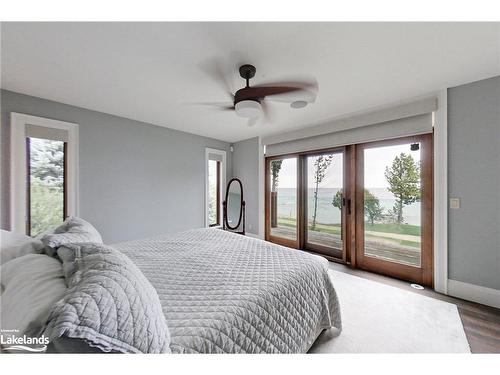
348,205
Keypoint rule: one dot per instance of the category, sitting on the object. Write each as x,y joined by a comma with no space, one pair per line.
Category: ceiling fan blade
262,92
310,84
223,106
307,90
215,70
266,110
307,82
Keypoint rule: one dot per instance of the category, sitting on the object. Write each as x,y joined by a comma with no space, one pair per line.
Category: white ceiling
151,71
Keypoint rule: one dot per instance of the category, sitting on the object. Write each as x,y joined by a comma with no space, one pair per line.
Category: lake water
328,214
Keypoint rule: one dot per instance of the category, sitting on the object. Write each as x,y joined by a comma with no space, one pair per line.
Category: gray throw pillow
73,230
109,303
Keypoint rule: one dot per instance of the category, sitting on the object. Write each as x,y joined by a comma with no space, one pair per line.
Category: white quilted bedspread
226,293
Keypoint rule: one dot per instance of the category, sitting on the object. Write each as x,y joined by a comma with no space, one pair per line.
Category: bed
226,293
213,291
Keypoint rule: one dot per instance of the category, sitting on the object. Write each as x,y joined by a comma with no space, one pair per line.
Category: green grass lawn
410,243
285,222
413,230
325,228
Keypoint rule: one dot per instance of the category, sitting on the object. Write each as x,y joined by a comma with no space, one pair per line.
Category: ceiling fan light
298,104
248,108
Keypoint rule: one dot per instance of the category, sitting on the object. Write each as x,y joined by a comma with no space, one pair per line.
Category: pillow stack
32,282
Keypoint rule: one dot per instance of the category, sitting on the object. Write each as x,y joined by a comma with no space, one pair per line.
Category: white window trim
262,191
441,193
222,153
18,177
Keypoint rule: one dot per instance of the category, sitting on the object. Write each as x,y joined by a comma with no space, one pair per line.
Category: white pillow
14,245
73,230
31,285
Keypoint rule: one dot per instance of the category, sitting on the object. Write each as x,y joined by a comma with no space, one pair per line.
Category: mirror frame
242,204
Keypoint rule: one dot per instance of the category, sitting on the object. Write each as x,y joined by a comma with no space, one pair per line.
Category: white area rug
379,318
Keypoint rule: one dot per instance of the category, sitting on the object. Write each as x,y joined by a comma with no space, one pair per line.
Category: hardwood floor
481,323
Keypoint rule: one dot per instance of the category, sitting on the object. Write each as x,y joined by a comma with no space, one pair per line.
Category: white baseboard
252,235
475,293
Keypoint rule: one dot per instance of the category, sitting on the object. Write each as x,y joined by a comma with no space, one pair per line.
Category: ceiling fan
250,101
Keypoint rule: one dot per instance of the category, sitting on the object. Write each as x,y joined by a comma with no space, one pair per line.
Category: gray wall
246,168
136,179
474,177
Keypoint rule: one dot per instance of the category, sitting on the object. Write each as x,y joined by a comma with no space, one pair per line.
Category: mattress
226,293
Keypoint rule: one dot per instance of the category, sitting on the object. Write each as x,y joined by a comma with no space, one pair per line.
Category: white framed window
215,184
44,172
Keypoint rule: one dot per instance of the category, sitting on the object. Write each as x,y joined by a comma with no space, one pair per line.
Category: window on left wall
213,193
44,179
46,184
215,167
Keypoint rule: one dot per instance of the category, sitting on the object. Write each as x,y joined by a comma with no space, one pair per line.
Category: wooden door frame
267,225
28,186
423,275
315,248
301,202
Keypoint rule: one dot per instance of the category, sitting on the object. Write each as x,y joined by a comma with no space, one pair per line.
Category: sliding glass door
369,205
306,201
282,200
394,218
325,202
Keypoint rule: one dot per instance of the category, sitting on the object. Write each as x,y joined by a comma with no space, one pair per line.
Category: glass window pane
46,190
324,199
212,193
283,195
392,203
